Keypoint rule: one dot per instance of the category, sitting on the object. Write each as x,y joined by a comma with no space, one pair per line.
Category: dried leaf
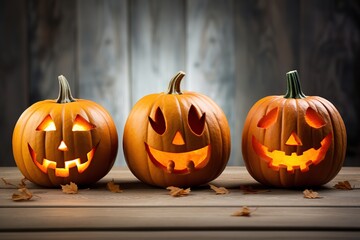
71,188
22,183
8,183
310,194
345,185
178,192
250,190
219,190
24,194
244,212
112,187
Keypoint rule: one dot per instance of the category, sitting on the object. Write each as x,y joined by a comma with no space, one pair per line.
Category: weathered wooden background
116,51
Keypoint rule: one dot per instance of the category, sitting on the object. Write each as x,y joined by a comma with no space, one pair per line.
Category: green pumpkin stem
293,85
64,91
174,85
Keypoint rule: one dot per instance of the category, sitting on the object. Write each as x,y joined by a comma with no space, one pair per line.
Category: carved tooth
190,166
170,166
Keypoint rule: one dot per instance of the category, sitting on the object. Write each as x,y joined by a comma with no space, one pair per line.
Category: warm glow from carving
62,172
269,118
178,139
278,159
63,147
47,124
294,140
80,124
183,162
313,118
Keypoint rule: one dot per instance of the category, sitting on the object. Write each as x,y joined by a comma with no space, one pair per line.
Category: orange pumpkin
176,138
65,140
293,140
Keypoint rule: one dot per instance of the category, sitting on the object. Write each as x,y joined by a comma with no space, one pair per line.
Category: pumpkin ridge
246,149
25,151
82,111
333,153
330,110
109,128
270,101
160,97
206,100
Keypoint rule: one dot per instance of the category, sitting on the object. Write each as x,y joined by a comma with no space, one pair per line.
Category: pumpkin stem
293,85
64,91
174,85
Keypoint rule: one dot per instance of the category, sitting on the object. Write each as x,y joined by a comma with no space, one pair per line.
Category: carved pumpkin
65,140
176,138
293,140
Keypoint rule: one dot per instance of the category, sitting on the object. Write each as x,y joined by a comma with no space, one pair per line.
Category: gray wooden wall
116,51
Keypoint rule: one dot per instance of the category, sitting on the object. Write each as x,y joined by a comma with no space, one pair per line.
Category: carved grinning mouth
63,172
179,163
278,159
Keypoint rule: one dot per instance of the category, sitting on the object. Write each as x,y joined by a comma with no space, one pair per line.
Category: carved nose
178,139
294,140
63,147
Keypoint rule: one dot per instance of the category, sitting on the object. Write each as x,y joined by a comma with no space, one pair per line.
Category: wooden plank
267,46
180,235
209,57
13,71
178,218
137,194
157,37
103,62
266,41
329,61
52,43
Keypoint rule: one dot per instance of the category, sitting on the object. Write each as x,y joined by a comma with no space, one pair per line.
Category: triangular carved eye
47,125
269,119
196,122
159,123
81,124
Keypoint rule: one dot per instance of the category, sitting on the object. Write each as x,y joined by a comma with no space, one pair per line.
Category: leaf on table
250,190
310,194
178,192
7,183
244,212
22,183
219,190
23,195
345,185
71,188
112,187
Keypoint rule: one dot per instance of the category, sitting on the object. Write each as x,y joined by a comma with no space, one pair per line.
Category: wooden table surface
142,211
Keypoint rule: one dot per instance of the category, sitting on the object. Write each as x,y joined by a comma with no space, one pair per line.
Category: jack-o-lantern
293,140
176,138
65,140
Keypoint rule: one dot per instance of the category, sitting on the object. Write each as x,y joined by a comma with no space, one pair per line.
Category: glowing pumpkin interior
277,159
48,124
179,162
